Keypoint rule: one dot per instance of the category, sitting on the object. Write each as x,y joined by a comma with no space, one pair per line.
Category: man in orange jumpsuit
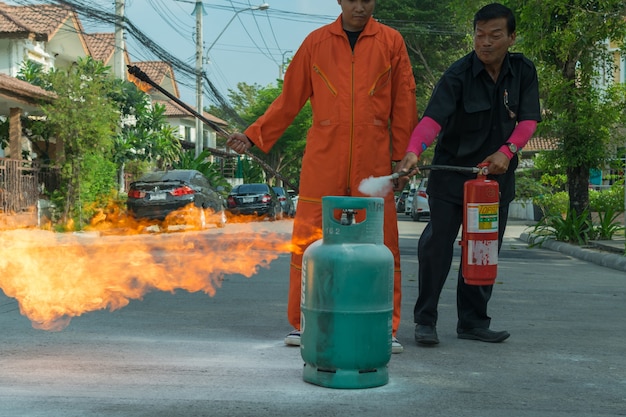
358,76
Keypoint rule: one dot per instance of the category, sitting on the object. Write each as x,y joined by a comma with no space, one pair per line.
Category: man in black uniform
484,108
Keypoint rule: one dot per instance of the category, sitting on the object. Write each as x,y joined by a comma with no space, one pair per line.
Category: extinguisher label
482,218
482,252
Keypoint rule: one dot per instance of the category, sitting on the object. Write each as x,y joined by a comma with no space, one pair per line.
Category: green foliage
210,170
436,34
611,199
553,204
251,172
608,204
145,135
552,172
608,224
566,40
285,157
83,119
98,183
32,72
4,133
573,228
600,221
527,187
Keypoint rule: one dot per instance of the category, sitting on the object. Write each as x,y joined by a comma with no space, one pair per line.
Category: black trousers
435,250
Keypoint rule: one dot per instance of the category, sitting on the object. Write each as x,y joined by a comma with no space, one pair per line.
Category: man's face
356,13
492,41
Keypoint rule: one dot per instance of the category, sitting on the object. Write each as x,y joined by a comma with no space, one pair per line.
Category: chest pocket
475,114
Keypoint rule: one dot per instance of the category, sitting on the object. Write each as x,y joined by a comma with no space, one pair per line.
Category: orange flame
58,276
142,85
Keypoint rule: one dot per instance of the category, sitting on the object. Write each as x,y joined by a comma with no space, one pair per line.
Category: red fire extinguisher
479,239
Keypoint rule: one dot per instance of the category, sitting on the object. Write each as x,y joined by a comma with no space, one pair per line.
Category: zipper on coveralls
349,176
374,88
321,73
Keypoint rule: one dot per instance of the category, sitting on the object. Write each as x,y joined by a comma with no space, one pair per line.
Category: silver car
408,205
419,206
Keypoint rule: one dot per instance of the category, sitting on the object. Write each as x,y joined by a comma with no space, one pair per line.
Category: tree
83,119
212,171
250,102
144,134
434,34
567,40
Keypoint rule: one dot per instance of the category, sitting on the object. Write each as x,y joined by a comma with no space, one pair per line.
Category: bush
572,228
553,205
528,188
608,200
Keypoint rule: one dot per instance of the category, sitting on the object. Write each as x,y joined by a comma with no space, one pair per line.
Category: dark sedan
255,198
181,193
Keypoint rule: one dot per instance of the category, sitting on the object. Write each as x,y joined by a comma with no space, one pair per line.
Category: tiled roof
101,45
11,86
173,109
536,144
40,21
158,71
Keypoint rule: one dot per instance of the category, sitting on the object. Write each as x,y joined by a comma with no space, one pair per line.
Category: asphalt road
191,354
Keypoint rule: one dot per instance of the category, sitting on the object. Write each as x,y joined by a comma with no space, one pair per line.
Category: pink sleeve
423,135
520,136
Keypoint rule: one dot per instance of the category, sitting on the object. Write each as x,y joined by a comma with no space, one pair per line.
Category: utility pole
119,69
118,54
199,10
281,71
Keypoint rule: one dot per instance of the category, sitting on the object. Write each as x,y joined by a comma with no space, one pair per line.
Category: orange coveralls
364,111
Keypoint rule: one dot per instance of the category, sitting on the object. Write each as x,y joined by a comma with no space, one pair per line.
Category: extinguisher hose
472,170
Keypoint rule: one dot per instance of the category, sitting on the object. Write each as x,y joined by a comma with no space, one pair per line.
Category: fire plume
58,276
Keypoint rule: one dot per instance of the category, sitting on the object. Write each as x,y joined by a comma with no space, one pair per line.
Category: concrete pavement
187,354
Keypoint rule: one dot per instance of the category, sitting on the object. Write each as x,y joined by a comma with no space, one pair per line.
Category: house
53,36
163,75
533,147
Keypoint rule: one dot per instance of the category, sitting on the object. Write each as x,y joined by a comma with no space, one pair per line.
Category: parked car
409,202
419,206
294,198
255,198
181,193
289,209
401,201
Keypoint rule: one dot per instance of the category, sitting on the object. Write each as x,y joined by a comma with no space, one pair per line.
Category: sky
251,48
252,45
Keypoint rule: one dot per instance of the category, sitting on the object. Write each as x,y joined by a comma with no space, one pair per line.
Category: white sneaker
396,347
293,338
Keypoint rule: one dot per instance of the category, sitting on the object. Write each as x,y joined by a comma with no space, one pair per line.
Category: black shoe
484,335
426,335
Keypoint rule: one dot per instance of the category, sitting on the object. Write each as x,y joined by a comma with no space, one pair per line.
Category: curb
609,260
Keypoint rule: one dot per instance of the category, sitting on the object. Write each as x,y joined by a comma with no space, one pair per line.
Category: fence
23,182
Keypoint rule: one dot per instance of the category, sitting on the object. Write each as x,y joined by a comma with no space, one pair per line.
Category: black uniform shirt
477,116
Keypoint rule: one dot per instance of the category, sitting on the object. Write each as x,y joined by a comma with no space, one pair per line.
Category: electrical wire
96,13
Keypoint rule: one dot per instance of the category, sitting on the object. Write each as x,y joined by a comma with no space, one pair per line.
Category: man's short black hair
496,11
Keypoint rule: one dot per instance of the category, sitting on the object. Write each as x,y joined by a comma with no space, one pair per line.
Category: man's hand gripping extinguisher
479,240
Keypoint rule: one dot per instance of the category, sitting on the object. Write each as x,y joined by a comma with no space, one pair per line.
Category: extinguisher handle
483,168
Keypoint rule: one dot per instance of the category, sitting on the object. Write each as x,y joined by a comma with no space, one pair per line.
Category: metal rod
142,76
473,170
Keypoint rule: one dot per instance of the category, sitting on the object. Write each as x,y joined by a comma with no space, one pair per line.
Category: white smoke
376,186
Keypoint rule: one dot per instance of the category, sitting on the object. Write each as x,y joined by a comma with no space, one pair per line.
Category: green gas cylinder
347,297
